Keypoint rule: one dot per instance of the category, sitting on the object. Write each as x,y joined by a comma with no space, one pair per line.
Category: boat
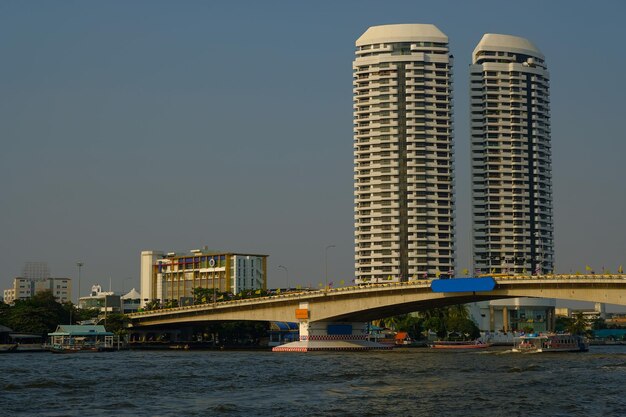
71,349
459,345
8,347
22,343
544,343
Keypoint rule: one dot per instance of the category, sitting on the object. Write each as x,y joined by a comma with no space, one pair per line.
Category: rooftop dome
507,43
402,33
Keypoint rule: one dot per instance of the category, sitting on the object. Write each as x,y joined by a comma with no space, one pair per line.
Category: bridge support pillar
505,319
326,335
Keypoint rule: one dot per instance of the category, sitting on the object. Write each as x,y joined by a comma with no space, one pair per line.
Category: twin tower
404,156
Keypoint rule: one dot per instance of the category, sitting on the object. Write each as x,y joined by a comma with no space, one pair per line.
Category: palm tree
578,325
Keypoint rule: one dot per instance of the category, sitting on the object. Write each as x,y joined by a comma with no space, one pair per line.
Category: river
404,382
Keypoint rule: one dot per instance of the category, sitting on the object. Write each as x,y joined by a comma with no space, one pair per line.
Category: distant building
173,276
103,301
131,301
514,314
25,288
598,312
36,271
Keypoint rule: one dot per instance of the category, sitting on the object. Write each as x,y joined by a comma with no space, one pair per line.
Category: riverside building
511,158
173,276
403,154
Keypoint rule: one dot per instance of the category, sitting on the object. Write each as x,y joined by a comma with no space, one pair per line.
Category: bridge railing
367,287
300,294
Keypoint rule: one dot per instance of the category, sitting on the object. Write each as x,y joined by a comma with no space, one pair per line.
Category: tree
39,314
452,319
562,323
598,324
578,325
117,323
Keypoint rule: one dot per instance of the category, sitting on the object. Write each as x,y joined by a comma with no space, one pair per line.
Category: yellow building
173,276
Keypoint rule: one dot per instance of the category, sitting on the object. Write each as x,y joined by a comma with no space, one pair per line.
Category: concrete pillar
492,319
601,310
505,319
319,330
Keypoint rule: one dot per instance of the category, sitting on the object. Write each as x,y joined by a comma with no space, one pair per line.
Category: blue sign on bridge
463,284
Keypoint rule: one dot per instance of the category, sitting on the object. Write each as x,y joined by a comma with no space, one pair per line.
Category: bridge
358,304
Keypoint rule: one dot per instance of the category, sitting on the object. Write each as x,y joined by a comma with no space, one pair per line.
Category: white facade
25,288
514,314
511,158
403,154
61,288
103,301
131,301
9,296
148,260
247,273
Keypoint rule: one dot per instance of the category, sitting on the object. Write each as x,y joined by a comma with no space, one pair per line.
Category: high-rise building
511,157
403,154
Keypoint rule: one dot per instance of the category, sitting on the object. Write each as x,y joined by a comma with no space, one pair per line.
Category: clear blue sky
171,125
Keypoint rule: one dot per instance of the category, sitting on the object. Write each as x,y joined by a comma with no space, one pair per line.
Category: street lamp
79,264
326,263
287,272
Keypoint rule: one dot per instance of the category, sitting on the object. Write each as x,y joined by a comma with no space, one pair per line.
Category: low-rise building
514,314
103,301
25,288
131,301
173,276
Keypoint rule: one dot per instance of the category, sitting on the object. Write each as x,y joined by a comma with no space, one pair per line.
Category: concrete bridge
370,302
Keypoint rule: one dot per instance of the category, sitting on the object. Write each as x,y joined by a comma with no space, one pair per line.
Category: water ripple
411,382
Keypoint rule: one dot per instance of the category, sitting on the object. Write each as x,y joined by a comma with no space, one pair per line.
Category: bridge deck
382,298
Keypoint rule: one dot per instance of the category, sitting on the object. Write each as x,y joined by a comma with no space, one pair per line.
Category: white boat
545,343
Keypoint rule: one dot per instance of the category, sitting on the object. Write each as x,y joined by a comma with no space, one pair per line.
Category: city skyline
137,127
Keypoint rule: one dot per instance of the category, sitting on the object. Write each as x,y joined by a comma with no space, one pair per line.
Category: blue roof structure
80,330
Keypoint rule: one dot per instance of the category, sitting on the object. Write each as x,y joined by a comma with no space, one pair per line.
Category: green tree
117,323
562,323
598,324
451,319
578,325
40,314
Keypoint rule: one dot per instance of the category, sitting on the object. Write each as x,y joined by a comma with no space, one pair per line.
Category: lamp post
79,264
287,272
326,264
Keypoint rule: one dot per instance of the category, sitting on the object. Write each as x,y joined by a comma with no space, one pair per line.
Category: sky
173,125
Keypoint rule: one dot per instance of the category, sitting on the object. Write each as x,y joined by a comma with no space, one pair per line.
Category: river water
404,382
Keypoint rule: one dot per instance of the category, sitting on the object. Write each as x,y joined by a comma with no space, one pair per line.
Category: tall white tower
511,157
403,154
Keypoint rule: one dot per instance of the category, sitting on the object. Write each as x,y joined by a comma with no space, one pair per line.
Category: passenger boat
472,344
533,343
72,349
